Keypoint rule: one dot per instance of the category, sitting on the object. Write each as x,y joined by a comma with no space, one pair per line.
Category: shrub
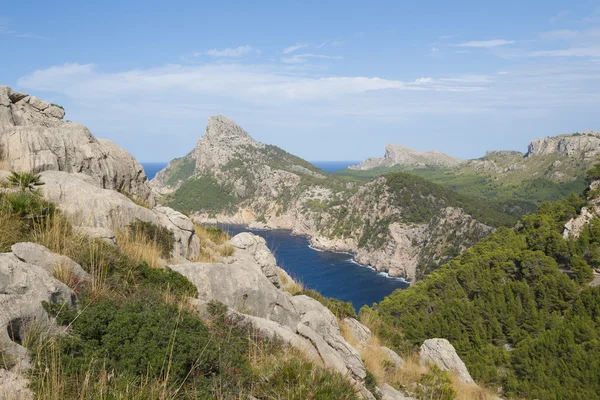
436,385
26,181
162,236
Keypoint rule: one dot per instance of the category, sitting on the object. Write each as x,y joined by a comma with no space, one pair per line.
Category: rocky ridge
273,189
396,154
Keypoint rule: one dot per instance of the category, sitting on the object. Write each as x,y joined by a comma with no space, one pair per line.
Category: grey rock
97,233
441,353
587,143
14,386
33,137
361,333
389,393
36,254
86,204
256,246
394,358
23,287
402,155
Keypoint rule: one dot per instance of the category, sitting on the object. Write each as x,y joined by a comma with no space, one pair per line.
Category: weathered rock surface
402,155
36,254
297,320
23,287
359,332
14,386
389,393
97,233
441,353
256,246
587,143
86,204
33,137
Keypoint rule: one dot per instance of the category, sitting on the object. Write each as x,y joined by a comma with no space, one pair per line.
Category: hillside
513,182
521,306
399,224
404,156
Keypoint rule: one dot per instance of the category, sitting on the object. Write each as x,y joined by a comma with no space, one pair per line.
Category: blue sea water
332,274
153,168
333,166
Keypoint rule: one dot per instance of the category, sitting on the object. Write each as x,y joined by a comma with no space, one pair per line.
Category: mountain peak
221,126
397,154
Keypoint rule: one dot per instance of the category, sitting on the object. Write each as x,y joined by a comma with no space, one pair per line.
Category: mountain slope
521,306
399,224
512,181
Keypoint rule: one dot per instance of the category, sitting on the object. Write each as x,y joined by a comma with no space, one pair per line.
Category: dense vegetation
513,190
517,307
179,170
201,193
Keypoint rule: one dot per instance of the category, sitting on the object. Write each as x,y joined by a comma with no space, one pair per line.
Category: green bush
435,385
164,237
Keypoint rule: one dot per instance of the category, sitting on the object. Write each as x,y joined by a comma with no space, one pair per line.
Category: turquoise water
332,274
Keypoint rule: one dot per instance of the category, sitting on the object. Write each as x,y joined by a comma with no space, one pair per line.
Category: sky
325,80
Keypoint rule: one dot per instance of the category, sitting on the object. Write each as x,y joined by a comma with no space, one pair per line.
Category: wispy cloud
304,57
332,43
446,37
561,34
236,52
294,48
487,44
6,30
593,51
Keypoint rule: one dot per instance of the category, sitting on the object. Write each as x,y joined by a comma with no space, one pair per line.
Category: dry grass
289,285
139,248
10,231
213,244
64,273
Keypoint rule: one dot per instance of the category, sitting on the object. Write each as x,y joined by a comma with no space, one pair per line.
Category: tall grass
213,246
139,248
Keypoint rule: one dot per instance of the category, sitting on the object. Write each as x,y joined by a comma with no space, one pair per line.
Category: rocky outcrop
256,246
441,353
23,288
586,143
36,254
360,333
86,204
389,393
34,137
14,386
299,321
402,155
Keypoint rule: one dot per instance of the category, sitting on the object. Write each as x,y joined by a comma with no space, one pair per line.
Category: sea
330,273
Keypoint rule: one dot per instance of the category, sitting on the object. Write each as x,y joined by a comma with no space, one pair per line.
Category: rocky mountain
396,154
399,225
512,181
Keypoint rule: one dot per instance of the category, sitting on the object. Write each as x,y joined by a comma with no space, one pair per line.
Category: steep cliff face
402,155
587,143
397,229
34,137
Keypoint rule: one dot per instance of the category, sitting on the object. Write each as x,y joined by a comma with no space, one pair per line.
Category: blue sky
323,80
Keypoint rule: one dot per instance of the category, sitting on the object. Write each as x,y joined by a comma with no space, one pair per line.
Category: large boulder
389,393
87,205
36,254
256,247
441,353
300,321
360,333
23,288
34,137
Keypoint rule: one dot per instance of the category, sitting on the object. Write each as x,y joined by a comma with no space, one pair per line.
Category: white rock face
14,386
23,287
389,393
441,353
88,205
587,143
33,137
361,333
402,155
256,246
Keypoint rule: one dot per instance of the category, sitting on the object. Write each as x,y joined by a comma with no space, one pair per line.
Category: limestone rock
575,226
441,353
587,143
85,204
257,247
97,233
402,155
389,393
33,137
3,176
393,357
23,287
14,386
36,254
361,333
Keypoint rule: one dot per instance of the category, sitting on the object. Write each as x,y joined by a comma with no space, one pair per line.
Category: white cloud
487,44
303,58
236,52
593,51
561,34
293,48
